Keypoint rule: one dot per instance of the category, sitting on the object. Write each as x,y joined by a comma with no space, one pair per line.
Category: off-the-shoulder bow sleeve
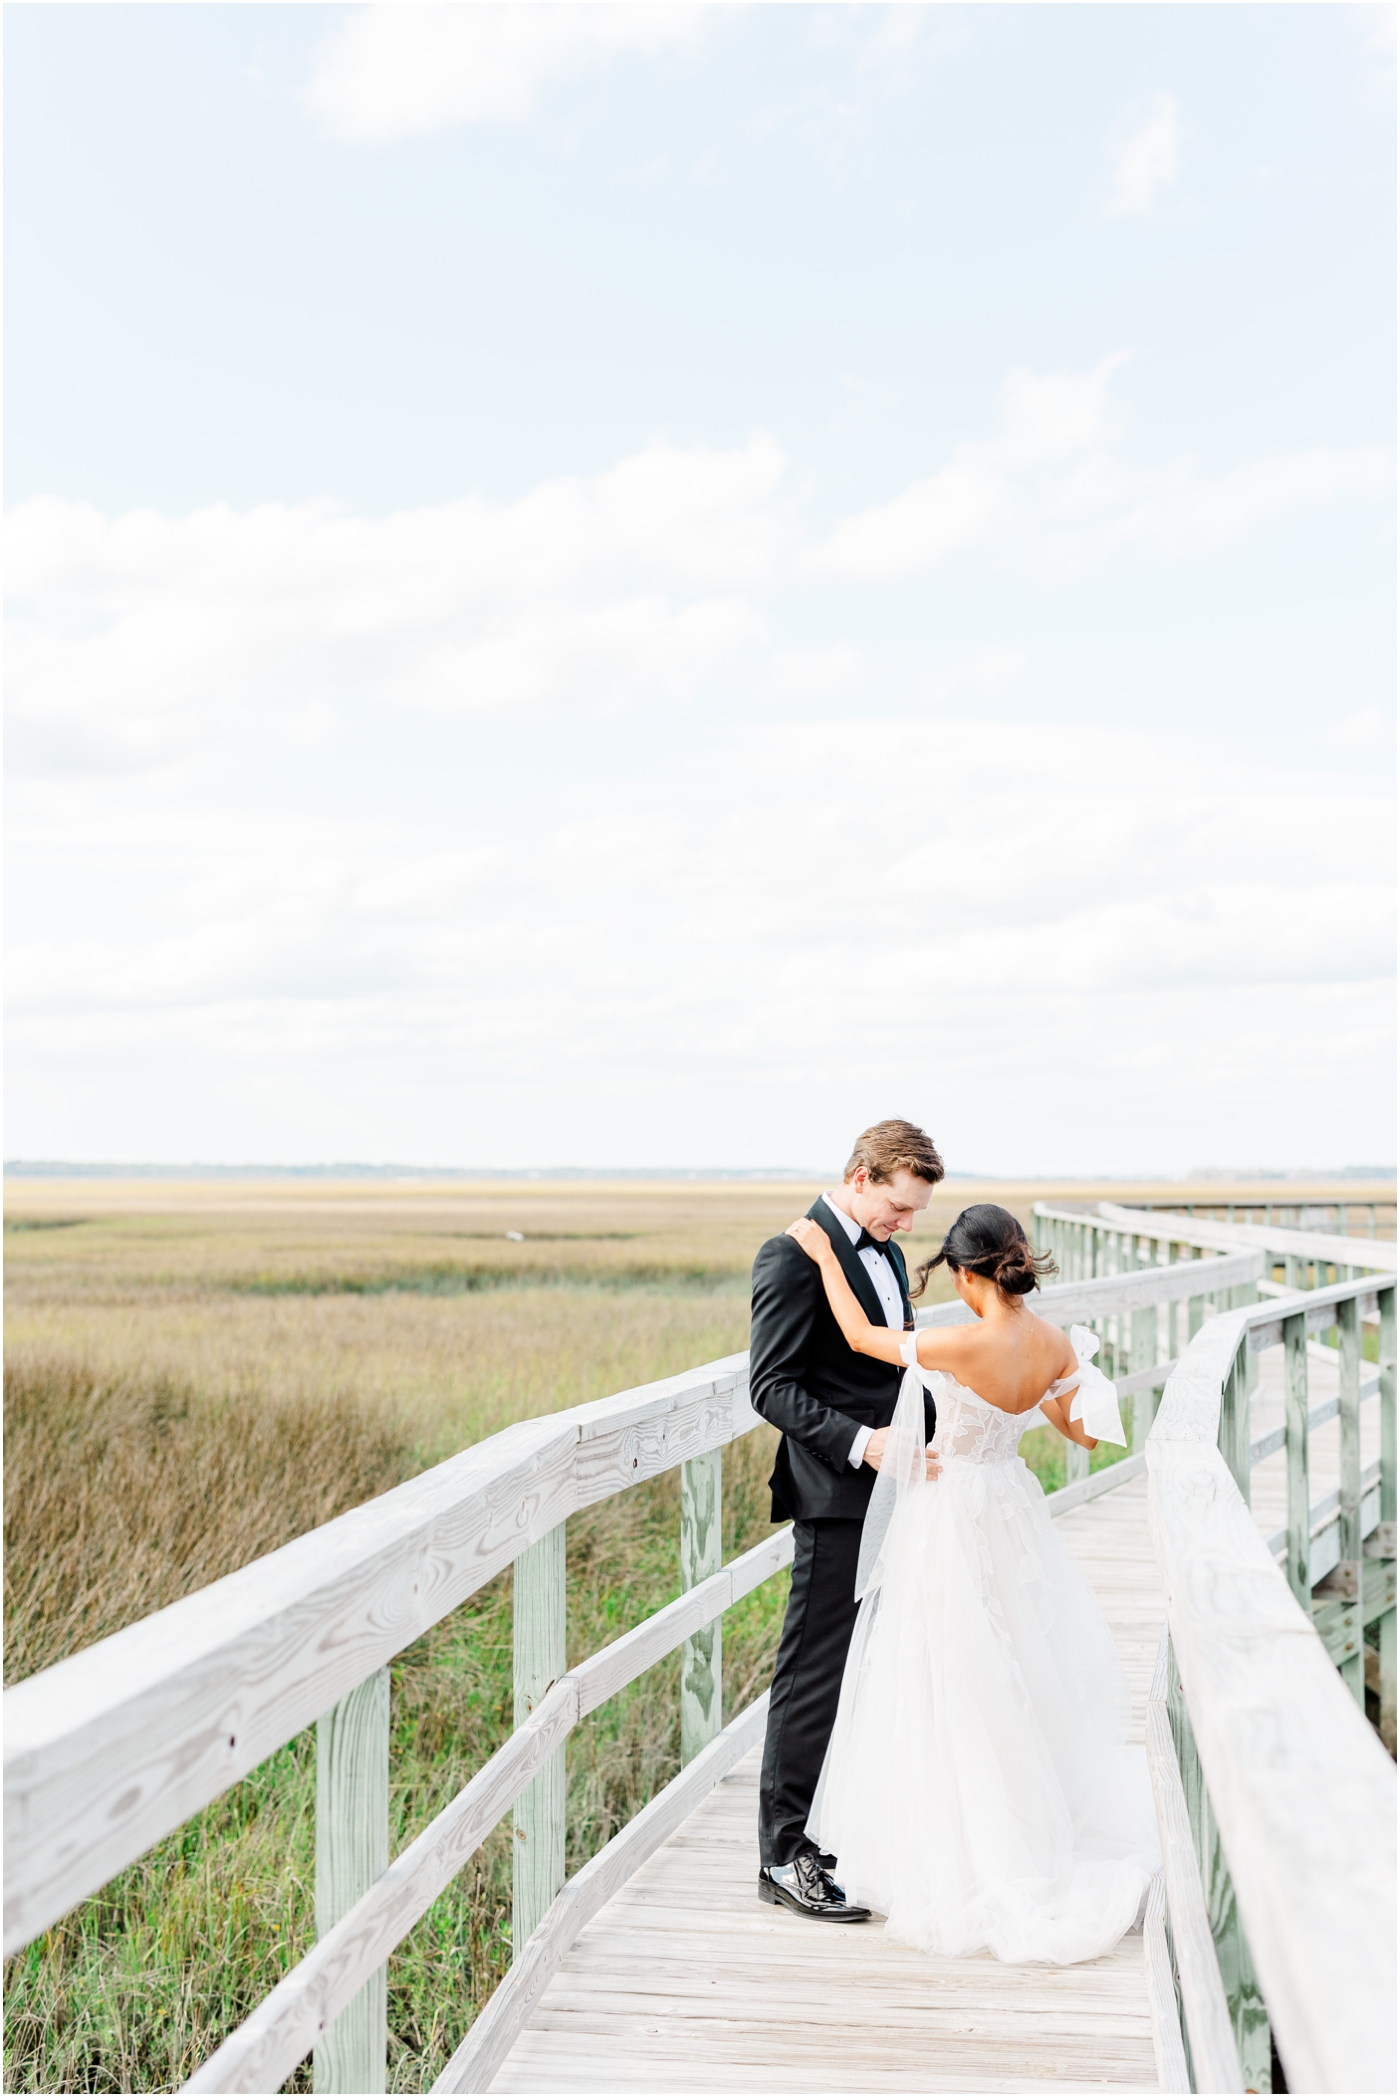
1095,1404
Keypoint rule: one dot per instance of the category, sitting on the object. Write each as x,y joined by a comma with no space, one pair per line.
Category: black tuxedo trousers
821,1615
806,1381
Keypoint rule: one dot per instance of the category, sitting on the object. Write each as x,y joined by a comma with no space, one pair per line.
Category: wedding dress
977,1789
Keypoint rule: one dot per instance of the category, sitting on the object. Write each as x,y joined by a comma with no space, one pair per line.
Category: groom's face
885,1206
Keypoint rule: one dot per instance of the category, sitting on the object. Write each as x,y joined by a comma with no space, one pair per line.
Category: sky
646,586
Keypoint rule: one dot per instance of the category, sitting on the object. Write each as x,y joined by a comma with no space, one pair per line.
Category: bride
977,1790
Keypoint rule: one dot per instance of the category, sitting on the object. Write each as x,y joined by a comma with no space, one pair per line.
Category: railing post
1234,1418
1348,1577
1242,1991
1195,1305
352,1851
1298,1558
1386,1364
1144,1353
702,1547
541,1626
1122,1261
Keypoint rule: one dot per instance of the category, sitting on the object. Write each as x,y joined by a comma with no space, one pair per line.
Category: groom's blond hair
895,1146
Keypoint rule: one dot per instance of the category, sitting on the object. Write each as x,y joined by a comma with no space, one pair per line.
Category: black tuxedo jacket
805,1380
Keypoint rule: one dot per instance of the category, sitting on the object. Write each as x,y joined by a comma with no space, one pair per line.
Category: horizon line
60,1168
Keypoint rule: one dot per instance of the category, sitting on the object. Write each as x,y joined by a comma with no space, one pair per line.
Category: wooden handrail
1072,1302
1168,1229
116,1746
1301,1789
263,2051
1333,1247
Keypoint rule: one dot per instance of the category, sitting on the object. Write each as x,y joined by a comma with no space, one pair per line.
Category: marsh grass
161,1490
196,1375
122,1495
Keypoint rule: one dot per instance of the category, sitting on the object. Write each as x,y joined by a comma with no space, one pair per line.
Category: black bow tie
875,1244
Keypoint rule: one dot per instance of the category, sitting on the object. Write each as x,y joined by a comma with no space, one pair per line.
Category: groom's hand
875,1448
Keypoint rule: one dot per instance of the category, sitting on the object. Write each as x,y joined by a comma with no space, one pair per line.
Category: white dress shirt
882,1274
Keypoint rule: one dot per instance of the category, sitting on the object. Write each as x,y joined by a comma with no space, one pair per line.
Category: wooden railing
1316,1214
1276,1800
114,1748
1109,1236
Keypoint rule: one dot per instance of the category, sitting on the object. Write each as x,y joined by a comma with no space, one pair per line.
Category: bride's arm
1056,1411
860,1335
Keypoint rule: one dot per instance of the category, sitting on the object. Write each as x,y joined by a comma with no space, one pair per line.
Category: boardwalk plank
686,1981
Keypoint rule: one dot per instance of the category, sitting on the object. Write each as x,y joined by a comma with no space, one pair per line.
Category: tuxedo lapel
853,1266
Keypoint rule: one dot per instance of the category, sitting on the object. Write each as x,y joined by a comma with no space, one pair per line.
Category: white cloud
139,641
677,887
1146,161
401,71
1056,483
1045,422
136,639
1052,914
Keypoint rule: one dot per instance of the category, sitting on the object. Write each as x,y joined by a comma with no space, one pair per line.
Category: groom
834,1408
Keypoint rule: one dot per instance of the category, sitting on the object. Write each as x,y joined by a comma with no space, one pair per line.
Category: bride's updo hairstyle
989,1241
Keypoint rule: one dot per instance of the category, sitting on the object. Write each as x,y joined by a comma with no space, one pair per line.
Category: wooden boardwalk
686,1981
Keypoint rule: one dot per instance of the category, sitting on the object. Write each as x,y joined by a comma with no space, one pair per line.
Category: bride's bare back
1009,1357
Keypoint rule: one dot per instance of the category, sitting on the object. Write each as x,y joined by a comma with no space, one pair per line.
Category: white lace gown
978,1790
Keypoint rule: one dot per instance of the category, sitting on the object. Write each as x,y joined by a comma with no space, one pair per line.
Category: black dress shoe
809,1890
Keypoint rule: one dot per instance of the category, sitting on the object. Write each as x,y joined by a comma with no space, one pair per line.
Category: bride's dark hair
989,1241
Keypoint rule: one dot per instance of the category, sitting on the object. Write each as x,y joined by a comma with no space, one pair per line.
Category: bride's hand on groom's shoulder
811,1237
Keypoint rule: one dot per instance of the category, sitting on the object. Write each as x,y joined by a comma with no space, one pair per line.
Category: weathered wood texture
286,2024
1365,1254
1080,1491
540,1633
1167,2045
1387,1366
495,2031
352,1849
111,1749
1298,1548
1302,1791
685,1981
1247,2018
1269,1475
1081,1303
1214,2060
1349,1536
701,1550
